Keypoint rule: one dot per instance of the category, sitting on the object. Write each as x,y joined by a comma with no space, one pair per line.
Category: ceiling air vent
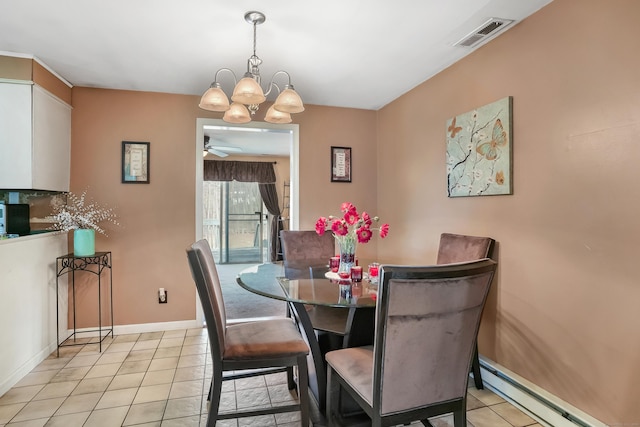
485,32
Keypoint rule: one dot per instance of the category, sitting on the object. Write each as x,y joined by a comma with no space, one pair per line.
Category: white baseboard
547,409
156,327
140,328
160,326
255,319
27,367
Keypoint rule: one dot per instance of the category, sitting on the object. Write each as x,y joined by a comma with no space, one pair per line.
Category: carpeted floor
240,303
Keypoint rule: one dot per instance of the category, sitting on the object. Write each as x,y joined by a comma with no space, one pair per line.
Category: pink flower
346,207
339,228
364,234
352,227
351,217
366,219
321,225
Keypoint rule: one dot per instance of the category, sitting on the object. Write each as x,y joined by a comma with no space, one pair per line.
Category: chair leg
460,418
214,396
303,390
333,396
475,368
290,381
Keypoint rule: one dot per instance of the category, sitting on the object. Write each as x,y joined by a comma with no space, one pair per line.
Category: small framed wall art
135,162
479,151
341,164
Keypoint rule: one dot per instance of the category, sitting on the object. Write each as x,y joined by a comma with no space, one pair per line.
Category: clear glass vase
347,247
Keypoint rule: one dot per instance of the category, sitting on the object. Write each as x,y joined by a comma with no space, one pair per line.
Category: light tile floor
162,379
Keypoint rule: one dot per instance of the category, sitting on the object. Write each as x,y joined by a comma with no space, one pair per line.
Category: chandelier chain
254,37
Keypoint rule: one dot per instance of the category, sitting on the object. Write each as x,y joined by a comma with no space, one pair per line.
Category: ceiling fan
219,150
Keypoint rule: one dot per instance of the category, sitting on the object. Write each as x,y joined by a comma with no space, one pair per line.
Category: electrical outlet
162,296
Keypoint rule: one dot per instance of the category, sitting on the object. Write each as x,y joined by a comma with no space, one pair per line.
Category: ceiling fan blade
227,148
217,152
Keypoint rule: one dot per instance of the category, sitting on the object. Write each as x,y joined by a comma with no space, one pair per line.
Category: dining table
326,289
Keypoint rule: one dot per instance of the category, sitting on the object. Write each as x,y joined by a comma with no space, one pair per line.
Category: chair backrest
304,248
205,276
460,248
427,321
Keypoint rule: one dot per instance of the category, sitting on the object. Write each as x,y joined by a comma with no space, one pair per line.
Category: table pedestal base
358,332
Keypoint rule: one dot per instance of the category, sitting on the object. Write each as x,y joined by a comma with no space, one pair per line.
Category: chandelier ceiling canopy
248,94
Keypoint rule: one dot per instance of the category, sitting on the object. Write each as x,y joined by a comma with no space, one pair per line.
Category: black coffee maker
17,219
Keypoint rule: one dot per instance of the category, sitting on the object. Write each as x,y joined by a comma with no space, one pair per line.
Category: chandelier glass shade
214,99
248,94
289,102
275,116
237,113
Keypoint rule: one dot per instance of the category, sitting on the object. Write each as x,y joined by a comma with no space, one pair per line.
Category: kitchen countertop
37,234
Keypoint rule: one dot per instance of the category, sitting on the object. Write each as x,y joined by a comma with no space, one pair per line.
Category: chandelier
248,94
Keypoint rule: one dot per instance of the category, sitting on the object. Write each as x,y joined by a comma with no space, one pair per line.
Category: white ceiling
250,141
344,53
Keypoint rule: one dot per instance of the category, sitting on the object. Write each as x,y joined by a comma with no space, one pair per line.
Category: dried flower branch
80,212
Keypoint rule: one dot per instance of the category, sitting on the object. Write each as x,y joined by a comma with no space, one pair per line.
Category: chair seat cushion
263,339
355,366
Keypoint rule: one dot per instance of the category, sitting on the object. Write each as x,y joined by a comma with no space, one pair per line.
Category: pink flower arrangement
351,225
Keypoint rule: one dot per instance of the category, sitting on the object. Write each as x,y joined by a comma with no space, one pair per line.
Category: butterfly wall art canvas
479,151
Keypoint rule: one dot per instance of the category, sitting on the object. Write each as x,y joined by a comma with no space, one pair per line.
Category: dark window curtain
270,198
260,172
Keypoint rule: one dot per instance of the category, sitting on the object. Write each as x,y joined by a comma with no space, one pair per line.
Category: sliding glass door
234,222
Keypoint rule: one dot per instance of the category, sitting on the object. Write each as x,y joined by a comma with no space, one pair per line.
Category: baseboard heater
548,409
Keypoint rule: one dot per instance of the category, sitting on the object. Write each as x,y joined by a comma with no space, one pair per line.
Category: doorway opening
267,136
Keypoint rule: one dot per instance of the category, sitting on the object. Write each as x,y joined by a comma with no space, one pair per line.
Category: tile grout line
202,340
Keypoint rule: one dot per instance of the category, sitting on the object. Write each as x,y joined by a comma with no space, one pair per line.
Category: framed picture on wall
479,151
341,164
135,162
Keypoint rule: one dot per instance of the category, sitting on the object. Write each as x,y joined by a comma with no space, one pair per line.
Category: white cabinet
35,139
28,303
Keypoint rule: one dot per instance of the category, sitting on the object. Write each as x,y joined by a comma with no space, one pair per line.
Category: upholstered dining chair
254,346
427,321
306,255
459,248
304,248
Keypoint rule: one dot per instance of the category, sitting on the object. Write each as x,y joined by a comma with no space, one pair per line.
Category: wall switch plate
162,296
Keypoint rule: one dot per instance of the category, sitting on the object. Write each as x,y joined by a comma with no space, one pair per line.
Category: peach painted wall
157,219
321,128
15,68
18,68
563,312
52,83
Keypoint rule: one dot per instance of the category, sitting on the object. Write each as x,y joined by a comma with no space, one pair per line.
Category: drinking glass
374,269
356,273
334,263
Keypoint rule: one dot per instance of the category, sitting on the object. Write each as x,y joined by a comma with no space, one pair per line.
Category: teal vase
84,242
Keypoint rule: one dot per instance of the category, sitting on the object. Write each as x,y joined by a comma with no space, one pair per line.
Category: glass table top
261,280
